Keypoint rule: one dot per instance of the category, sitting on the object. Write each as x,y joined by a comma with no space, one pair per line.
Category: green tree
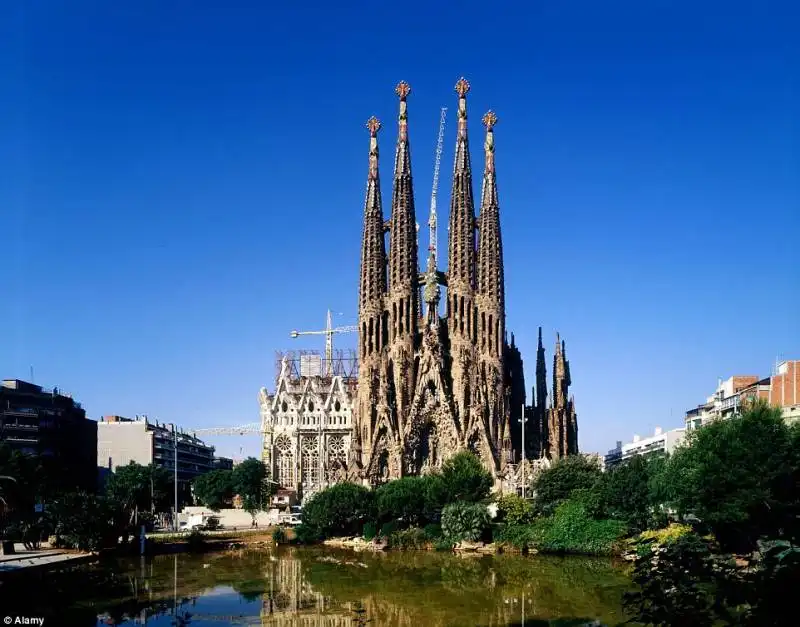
739,477
341,509
214,489
465,479
626,492
86,522
404,499
24,484
138,489
250,482
5,478
556,484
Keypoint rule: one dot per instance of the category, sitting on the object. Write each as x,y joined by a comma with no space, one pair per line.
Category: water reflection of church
290,601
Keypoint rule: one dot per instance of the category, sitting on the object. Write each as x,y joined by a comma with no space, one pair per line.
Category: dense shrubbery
414,500
571,529
407,539
740,479
388,528
405,504
83,521
279,536
514,510
306,534
339,510
370,530
464,521
433,532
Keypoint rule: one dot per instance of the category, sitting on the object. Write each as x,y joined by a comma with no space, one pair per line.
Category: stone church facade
428,385
431,385
307,426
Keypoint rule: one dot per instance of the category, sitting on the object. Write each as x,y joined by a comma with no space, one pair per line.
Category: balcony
732,402
13,426
20,412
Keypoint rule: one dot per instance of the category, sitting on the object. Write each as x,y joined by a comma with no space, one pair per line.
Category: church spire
372,285
403,262
461,248
490,249
560,375
542,422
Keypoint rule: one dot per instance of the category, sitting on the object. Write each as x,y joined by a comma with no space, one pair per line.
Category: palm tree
5,478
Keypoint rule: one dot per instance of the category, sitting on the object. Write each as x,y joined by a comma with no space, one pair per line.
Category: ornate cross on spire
489,120
402,90
462,89
374,125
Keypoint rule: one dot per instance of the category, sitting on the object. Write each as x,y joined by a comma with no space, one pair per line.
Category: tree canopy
465,479
249,481
557,483
341,509
417,500
136,488
740,477
214,489
626,493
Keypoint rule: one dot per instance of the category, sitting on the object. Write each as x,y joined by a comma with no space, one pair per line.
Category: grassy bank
208,540
222,534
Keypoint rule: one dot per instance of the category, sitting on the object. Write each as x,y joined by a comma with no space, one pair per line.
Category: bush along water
279,536
463,521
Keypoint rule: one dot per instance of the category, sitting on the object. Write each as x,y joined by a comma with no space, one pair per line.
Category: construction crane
246,429
328,333
433,244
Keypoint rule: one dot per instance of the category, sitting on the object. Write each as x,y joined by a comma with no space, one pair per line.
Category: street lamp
522,421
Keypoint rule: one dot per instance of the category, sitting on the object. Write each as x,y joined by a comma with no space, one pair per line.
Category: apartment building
51,424
123,440
661,442
781,389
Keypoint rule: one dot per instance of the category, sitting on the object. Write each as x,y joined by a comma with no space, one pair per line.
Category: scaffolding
308,363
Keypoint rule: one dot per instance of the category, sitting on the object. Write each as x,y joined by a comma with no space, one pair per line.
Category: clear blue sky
183,185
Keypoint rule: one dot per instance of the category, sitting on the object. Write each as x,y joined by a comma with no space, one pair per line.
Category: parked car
212,523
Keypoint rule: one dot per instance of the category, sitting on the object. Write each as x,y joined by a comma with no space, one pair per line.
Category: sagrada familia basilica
427,385
430,386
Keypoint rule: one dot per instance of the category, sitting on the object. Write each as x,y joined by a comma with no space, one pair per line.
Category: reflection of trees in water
294,587
436,588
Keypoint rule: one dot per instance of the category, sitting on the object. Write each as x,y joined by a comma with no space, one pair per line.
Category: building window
336,449
284,461
309,461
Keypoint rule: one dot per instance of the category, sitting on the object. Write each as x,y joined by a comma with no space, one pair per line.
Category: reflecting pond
326,587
